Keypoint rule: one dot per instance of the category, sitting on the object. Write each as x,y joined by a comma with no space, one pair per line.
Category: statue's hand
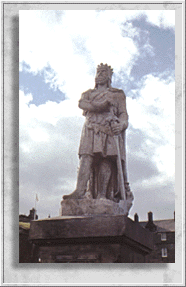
117,128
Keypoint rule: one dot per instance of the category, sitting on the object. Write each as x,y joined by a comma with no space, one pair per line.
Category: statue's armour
97,135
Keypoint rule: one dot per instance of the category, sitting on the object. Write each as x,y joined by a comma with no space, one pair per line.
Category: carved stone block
87,206
91,239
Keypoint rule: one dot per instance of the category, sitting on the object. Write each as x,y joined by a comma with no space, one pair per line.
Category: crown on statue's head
107,68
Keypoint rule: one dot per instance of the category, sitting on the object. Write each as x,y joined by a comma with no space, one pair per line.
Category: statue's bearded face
101,76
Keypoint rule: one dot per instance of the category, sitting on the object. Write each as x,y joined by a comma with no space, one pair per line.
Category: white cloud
71,49
161,18
153,112
50,112
49,140
74,42
165,159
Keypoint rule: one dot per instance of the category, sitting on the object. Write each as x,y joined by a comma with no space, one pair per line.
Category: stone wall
156,255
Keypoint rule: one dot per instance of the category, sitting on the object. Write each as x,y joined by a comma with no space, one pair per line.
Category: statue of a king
102,171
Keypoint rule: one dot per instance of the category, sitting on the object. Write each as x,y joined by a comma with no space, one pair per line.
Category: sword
120,171
111,120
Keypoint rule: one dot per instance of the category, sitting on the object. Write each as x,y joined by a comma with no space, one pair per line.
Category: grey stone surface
87,206
80,253
91,253
91,239
63,227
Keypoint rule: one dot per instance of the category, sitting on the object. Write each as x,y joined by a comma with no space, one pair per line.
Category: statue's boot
76,194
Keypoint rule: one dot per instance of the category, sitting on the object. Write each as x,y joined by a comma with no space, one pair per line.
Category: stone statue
102,172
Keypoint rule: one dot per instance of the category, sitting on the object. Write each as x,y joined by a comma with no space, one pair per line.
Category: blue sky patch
163,43
36,84
157,55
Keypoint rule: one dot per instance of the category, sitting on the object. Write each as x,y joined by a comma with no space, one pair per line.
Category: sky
59,53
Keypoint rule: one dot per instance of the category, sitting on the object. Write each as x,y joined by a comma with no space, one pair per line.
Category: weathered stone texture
86,239
88,206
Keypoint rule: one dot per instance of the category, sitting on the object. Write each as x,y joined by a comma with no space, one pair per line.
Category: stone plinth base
91,206
91,239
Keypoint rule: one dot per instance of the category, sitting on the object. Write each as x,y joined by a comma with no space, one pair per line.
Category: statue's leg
83,177
104,178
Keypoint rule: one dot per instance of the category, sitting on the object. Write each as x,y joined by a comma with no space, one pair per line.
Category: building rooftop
165,225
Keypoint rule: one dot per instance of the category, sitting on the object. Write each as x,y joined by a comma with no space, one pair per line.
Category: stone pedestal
91,206
91,239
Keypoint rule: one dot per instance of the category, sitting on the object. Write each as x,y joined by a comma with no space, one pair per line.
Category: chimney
150,216
136,217
32,213
150,224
